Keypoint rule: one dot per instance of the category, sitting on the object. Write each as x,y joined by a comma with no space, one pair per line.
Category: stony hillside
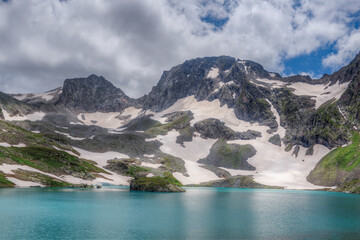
209,121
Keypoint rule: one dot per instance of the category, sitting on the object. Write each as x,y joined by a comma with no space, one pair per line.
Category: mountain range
213,121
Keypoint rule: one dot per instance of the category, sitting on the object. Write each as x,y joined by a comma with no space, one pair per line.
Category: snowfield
319,92
36,116
46,96
274,166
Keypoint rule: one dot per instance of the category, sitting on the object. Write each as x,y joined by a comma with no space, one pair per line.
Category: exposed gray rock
122,166
296,150
309,151
93,94
248,135
276,140
214,128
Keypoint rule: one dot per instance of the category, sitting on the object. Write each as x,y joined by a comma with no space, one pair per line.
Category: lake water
200,213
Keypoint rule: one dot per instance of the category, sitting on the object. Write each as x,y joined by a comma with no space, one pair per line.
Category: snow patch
110,119
69,136
213,73
205,109
21,183
150,165
36,116
5,144
281,130
100,158
197,174
266,82
321,93
192,151
46,96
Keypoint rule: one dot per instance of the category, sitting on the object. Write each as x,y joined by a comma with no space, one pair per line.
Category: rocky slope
213,119
92,94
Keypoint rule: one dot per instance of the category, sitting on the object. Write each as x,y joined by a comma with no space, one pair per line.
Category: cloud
347,47
130,42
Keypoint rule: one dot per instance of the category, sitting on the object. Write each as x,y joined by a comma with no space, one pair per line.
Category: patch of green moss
134,171
345,158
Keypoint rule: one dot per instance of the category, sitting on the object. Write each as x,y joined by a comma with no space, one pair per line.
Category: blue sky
131,42
306,63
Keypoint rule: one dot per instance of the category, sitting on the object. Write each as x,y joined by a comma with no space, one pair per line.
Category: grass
345,158
49,160
158,181
338,165
4,183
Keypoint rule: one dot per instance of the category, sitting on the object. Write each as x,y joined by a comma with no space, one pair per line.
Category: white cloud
347,47
130,42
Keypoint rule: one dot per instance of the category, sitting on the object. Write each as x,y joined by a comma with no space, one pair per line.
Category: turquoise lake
200,213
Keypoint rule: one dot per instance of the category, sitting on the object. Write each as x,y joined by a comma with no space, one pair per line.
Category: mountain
92,94
210,121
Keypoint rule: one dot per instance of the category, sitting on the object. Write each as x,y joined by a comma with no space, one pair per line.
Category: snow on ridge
272,83
206,109
36,116
46,96
213,73
69,136
321,92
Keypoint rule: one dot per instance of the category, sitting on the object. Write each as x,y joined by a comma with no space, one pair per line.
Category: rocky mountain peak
92,94
347,73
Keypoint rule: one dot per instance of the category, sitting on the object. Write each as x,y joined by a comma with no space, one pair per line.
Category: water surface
200,213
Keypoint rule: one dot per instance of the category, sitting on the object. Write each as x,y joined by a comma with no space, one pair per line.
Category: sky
131,42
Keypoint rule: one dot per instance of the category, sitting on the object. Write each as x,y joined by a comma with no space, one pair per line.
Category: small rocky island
156,184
